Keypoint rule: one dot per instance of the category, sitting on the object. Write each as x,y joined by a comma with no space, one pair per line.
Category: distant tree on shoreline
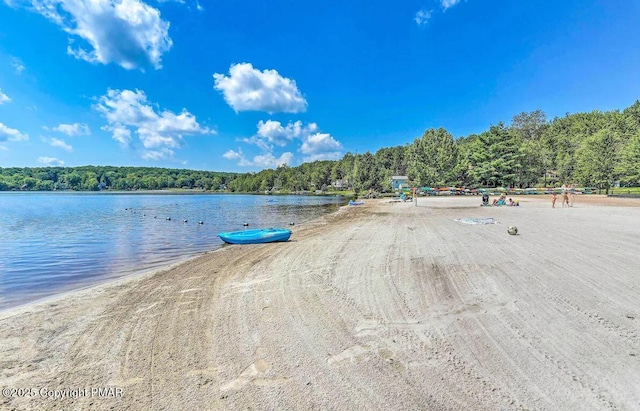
589,149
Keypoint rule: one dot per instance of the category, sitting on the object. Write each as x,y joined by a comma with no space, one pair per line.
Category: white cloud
422,17
191,4
237,155
448,3
50,161
319,142
161,154
75,129
129,33
315,145
260,142
233,155
11,134
272,133
4,98
3,148
320,146
56,142
249,89
264,160
322,156
17,64
120,133
269,160
128,111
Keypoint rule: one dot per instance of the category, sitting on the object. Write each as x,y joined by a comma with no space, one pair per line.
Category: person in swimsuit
572,194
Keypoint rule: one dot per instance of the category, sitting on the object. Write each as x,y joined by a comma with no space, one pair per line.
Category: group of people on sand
503,201
568,196
500,201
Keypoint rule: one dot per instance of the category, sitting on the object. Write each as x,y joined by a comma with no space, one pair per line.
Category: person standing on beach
554,197
565,198
572,194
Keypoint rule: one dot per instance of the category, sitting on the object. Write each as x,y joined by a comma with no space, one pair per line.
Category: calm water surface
55,242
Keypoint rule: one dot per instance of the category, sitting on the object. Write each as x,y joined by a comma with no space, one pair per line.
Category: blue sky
242,86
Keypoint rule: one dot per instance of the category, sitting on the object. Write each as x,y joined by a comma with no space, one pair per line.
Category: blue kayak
265,235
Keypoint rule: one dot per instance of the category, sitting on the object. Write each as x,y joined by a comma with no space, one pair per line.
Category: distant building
340,184
399,182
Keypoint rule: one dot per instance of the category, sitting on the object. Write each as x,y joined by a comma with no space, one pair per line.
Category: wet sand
382,306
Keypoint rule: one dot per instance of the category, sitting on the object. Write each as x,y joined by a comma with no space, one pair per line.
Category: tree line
595,149
93,178
589,149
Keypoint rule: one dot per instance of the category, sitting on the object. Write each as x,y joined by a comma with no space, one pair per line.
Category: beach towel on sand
477,221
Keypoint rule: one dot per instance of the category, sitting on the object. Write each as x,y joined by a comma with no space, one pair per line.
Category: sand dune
383,306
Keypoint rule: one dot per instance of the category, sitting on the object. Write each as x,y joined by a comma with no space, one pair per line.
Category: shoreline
136,275
116,275
386,305
105,283
170,192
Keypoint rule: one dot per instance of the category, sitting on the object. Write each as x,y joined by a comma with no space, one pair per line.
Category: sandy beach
386,306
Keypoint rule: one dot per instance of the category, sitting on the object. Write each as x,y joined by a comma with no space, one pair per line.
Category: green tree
534,155
629,166
89,181
366,174
433,158
529,126
597,158
474,152
73,180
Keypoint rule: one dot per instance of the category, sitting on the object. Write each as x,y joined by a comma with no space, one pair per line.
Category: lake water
55,242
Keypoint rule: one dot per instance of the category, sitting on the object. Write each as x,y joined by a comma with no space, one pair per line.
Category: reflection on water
53,242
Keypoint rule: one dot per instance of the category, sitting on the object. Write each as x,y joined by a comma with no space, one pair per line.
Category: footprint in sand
147,308
266,313
259,367
189,290
353,354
